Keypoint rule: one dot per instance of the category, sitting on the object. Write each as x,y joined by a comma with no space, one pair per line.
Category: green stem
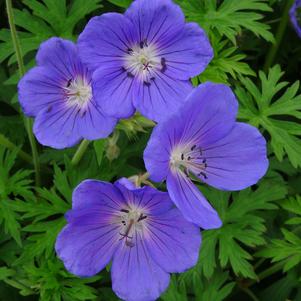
272,270
250,294
80,152
279,35
18,284
27,121
8,144
259,263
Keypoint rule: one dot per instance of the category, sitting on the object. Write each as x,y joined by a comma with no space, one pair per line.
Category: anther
141,217
129,50
193,147
146,83
83,114
182,156
163,63
123,69
203,174
130,75
129,244
125,210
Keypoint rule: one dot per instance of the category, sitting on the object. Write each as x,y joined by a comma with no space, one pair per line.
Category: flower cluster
141,60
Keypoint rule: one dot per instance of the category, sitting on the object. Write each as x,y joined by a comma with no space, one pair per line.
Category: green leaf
287,249
121,3
226,64
99,147
52,282
229,17
10,220
6,272
16,184
242,227
47,18
269,107
217,288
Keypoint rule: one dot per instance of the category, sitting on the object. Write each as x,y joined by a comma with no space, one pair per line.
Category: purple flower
203,140
295,16
58,94
138,229
144,58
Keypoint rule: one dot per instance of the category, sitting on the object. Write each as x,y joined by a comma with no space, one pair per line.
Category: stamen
130,75
203,174
131,222
127,231
78,91
142,217
142,61
163,63
146,83
189,160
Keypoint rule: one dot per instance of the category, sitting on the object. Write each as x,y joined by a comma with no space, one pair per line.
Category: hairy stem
80,152
279,35
8,144
27,121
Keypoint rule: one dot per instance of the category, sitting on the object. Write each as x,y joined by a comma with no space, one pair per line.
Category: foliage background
256,255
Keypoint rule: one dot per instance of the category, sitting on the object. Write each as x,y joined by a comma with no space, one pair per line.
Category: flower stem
27,121
8,144
272,270
250,294
278,37
80,152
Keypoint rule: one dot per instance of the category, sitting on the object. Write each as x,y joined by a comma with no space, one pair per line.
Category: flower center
142,61
189,159
78,92
132,220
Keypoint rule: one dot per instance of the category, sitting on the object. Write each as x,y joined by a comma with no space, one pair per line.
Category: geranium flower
295,16
58,93
137,228
203,142
144,58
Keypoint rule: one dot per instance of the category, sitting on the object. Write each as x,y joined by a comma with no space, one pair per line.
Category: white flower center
189,158
78,92
142,61
132,220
